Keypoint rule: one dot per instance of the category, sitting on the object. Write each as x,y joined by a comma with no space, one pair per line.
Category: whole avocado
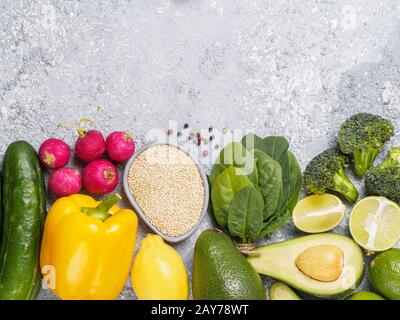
384,274
220,272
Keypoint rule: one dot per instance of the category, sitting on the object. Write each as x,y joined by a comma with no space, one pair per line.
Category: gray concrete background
294,68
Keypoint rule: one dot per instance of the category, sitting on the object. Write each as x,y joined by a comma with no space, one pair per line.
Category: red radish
120,146
90,145
64,182
54,153
100,177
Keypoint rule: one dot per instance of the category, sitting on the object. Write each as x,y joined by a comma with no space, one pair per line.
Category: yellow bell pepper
87,247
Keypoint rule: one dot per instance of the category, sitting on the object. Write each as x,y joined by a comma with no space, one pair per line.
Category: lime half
375,223
318,213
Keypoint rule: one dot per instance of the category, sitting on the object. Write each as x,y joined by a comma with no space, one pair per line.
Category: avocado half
278,261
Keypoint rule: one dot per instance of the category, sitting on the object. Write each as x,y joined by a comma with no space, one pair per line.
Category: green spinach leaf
224,189
234,154
295,181
246,214
269,181
216,170
276,222
276,147
251,141
281,216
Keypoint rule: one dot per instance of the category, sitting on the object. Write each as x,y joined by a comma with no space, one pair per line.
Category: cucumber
24,208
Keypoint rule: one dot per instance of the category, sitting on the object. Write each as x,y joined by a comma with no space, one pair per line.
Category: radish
100,177
64,182
90,144
54,153
120,146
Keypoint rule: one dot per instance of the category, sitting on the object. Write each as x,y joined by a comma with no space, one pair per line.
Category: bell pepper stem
102,210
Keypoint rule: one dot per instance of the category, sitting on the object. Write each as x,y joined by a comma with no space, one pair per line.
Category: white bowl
139,210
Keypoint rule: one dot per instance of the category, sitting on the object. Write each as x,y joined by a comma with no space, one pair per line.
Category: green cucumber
24,208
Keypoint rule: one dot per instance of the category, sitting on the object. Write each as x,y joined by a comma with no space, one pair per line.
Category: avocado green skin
24,207
364,295
281,291
384,274
1,205
220,272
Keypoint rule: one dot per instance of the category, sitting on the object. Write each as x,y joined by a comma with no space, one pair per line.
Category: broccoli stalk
362,136
392,160
326,172
364,159
344,186
384,180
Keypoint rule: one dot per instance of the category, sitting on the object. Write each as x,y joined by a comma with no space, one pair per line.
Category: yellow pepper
87,247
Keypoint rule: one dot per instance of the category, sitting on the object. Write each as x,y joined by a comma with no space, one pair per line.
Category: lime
364,295
384,274
375,223
318,213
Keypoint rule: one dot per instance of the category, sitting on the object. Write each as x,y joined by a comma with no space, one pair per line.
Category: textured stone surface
294,68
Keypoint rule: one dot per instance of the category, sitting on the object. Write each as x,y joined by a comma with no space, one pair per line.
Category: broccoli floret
326,172
362,137
384,180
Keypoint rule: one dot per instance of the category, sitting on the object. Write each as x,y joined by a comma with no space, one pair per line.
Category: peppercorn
210,129
185,126
179,134
211,138
170,131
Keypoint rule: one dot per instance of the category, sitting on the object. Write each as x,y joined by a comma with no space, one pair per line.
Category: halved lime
364,295
375,223
318,213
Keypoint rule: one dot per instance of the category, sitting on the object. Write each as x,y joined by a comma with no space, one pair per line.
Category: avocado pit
323,262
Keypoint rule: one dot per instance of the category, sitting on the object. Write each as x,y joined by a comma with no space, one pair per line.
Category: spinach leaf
295,181
284,162
246,214
274,146
269,181
224,189
277,148
282,215
256,173
251,141
216,170
276,222
234,154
